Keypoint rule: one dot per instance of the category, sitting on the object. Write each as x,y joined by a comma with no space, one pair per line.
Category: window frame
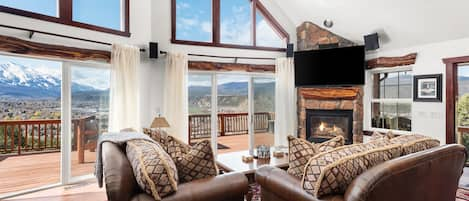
65,16
390,100
256,5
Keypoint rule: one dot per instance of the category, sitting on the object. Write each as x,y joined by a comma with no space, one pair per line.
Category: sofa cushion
300,151
154,170
415,143
331,172
198,163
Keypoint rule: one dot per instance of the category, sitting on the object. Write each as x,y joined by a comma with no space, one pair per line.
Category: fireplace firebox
322,125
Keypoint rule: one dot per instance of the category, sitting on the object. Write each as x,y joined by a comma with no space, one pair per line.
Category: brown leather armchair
122,186
431,175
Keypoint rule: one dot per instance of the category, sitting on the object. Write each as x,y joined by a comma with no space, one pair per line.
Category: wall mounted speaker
372,42
290,49
153,50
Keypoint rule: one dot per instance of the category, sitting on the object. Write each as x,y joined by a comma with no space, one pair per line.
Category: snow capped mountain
17,80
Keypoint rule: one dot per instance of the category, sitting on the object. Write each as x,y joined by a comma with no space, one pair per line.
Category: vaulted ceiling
401,23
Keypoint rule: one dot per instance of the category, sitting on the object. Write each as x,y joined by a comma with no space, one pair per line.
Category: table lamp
159,122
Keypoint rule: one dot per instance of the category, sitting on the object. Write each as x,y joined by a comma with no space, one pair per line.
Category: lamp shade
159,122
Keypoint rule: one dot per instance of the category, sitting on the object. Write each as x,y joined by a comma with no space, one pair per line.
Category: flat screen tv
337,66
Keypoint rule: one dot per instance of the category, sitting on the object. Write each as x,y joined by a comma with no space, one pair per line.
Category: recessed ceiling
401,23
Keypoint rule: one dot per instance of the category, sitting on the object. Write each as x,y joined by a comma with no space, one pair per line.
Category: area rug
254,193
220,146
462,194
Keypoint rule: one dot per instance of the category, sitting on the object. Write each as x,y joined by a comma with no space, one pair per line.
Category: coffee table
232,162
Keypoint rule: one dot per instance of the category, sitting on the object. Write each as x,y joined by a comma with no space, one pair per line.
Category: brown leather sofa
122,186
431,175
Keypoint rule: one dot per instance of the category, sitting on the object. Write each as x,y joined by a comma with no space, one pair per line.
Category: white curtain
124,98
175,107
285,101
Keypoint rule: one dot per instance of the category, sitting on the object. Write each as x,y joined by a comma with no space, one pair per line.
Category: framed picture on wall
427,88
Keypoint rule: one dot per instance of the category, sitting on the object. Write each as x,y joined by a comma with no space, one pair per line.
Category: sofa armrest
118,175
226,187
282,185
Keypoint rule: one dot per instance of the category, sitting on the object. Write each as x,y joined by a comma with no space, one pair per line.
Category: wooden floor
31,171
36,170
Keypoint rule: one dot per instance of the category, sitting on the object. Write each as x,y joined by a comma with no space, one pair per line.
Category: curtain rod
32,32
225,57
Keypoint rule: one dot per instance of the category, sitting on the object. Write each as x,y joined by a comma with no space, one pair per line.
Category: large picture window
226,23
110,16
392,101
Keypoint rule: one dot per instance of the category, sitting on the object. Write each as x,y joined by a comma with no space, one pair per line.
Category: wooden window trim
256,6
451,90
65,17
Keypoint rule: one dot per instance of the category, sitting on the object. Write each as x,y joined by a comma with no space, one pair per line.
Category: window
392,101
194,20
110,16
226,23
236,23
44,7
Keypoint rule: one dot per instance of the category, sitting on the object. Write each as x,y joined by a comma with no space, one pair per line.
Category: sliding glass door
30,123
90,115
51,114
242,107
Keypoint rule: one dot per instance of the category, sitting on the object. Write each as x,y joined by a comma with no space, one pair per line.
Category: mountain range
20,81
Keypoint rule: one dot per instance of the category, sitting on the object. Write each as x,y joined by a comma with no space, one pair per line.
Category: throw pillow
158,136
415,143
176,148
332,172
198,163
155,172
300,151
377,135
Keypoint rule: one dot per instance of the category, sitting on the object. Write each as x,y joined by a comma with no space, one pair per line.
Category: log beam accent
349,93
19,46
214,66
392,61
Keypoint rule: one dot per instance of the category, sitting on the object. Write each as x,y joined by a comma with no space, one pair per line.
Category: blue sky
105,13
194,23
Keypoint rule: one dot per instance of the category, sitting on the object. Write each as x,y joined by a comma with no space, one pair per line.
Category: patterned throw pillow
176,148
300,151
332,172
198,163
415,143
158,136
155,172
377,135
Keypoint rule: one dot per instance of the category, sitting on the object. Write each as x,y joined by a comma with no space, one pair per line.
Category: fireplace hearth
322,125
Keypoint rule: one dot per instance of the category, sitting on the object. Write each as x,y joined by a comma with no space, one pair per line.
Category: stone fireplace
325,113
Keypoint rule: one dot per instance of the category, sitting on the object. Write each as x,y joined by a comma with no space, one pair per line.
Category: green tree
462,118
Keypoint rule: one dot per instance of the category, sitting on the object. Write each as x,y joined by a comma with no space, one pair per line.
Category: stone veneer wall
309,37
340,104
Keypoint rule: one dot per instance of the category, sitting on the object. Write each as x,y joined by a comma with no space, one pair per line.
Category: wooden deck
36,170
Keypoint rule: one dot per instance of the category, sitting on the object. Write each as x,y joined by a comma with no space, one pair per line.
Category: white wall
150,20
427,118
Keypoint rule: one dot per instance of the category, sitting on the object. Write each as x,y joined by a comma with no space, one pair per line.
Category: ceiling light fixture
328,23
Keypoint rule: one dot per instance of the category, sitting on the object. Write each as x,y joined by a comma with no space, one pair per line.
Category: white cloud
207,27
189,22
267,37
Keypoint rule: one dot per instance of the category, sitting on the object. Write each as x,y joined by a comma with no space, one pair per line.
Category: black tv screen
337,66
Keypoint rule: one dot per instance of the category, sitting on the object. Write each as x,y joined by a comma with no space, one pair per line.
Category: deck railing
228,124
28,136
